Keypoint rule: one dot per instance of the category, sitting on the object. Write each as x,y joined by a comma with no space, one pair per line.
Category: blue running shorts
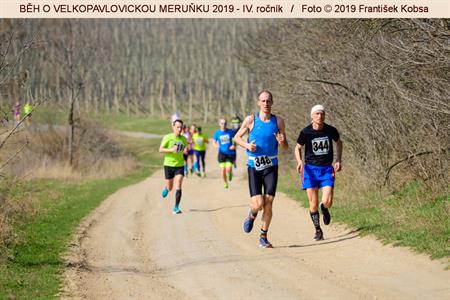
317,176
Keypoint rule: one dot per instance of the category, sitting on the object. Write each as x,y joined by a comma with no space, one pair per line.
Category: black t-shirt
318,144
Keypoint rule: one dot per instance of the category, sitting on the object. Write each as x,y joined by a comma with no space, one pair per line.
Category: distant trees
384,82
148,67
15,44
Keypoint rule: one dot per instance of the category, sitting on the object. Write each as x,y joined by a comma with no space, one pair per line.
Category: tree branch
411,156
355,93
14,155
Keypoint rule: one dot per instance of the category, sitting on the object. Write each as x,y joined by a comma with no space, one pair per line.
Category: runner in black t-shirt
317,171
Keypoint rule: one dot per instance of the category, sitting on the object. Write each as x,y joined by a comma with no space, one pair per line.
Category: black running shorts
266,178
225,158
171,172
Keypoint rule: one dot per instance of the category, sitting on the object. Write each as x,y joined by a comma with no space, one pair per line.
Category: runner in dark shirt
317,171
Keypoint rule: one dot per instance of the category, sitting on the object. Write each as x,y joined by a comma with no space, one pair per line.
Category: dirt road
132,247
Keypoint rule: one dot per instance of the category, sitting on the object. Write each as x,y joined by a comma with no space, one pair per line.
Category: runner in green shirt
199,145
27,109
173,145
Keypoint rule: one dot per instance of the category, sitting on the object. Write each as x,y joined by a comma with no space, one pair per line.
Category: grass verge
33,265
147,124
138,123
406,218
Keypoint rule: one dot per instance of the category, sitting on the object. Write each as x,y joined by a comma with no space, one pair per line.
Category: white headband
317,107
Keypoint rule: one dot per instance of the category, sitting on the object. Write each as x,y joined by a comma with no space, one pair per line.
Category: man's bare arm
339,148
167,150
298,157
245,128
281,135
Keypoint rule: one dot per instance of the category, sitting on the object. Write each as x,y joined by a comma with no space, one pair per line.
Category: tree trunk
219,108
205,106
243,97
127,101
160,99
116,99
72,94
190,105
71,128
152,100
172,95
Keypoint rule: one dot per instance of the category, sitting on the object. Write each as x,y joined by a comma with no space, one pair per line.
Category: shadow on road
178,267
347,236
216,209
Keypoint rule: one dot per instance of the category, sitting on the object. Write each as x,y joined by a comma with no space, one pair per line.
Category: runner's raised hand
251,146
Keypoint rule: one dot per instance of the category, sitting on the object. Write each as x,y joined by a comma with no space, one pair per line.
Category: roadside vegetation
42,200
383,83
410,217
148,124
120,121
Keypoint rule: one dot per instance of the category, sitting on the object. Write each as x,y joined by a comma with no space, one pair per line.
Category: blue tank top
263,133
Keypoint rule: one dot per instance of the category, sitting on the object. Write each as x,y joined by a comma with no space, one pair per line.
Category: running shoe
319,235
264,243
176,211
203,174
165,192
326,214
225,185
248,222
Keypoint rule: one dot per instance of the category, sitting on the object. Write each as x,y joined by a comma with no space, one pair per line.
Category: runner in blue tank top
265,132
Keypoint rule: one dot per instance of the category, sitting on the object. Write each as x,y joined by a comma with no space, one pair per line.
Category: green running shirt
199,142
174,159
27,108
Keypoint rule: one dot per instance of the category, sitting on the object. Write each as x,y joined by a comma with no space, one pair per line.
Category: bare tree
148,66
72,51
384,82
14,45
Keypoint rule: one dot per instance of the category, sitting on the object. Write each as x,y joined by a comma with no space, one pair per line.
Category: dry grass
102,169
97,156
